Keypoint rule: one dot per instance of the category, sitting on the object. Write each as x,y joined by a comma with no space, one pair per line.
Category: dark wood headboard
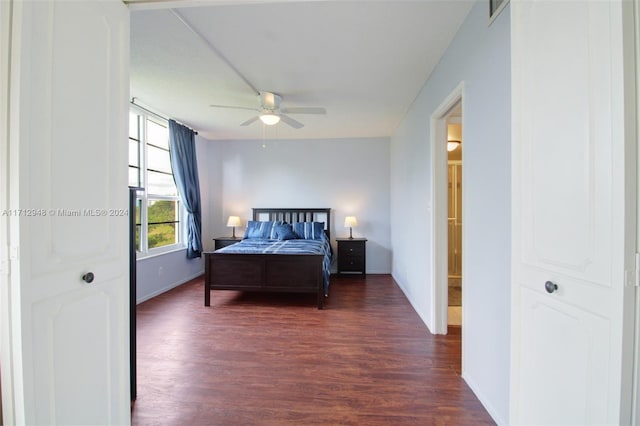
292,215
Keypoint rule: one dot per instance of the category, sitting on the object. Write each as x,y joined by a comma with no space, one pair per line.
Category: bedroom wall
479,56
351,176
157,274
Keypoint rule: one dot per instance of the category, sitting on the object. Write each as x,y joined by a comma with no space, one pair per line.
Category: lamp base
350,234
234,232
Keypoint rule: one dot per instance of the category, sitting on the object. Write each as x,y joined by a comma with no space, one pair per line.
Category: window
158,208
495,7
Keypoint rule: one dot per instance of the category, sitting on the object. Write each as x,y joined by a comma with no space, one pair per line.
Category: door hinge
13,253
5,261
632,277
636,277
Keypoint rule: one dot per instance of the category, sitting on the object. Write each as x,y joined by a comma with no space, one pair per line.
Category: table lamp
233,222
350,222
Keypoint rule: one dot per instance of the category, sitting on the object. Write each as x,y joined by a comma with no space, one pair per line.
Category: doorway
450,109
454,215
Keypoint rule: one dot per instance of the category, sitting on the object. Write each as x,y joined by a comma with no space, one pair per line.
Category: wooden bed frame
291,273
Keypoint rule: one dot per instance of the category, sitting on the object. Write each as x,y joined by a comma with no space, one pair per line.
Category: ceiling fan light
452,145
270,119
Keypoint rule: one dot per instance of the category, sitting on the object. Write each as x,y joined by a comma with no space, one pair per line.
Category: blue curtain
182,148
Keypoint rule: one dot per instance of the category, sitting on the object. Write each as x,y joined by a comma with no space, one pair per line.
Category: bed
270,260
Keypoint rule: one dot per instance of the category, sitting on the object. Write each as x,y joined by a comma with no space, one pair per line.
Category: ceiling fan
270,112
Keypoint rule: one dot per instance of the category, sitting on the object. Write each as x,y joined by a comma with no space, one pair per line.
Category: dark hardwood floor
274,359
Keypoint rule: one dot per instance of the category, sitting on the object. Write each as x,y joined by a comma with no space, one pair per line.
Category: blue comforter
297,246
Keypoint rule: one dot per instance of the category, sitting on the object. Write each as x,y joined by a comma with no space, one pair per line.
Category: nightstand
220,242
352,255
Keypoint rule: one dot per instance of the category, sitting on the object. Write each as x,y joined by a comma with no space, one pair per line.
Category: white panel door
569,216
67,195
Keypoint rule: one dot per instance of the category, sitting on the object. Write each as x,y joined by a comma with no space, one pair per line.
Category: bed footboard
292,273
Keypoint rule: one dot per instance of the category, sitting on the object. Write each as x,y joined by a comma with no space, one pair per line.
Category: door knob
550,287
88,277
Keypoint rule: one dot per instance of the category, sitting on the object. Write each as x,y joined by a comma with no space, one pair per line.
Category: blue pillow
261,230
309,230
285,232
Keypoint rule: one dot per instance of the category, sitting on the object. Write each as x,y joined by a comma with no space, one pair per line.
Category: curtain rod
133,102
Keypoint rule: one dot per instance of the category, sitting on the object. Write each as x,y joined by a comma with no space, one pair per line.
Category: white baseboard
490,409
422,316
167,288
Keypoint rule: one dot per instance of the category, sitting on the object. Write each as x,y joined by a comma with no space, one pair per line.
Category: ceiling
364,61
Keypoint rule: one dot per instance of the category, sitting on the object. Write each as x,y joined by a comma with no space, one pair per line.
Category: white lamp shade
270,119
233,221
350,222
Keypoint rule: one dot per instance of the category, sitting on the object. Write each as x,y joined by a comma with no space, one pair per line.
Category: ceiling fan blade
305,110
291,122
249,121
233,107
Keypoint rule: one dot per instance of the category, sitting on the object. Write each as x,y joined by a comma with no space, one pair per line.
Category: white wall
351,176
157,274
479,56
